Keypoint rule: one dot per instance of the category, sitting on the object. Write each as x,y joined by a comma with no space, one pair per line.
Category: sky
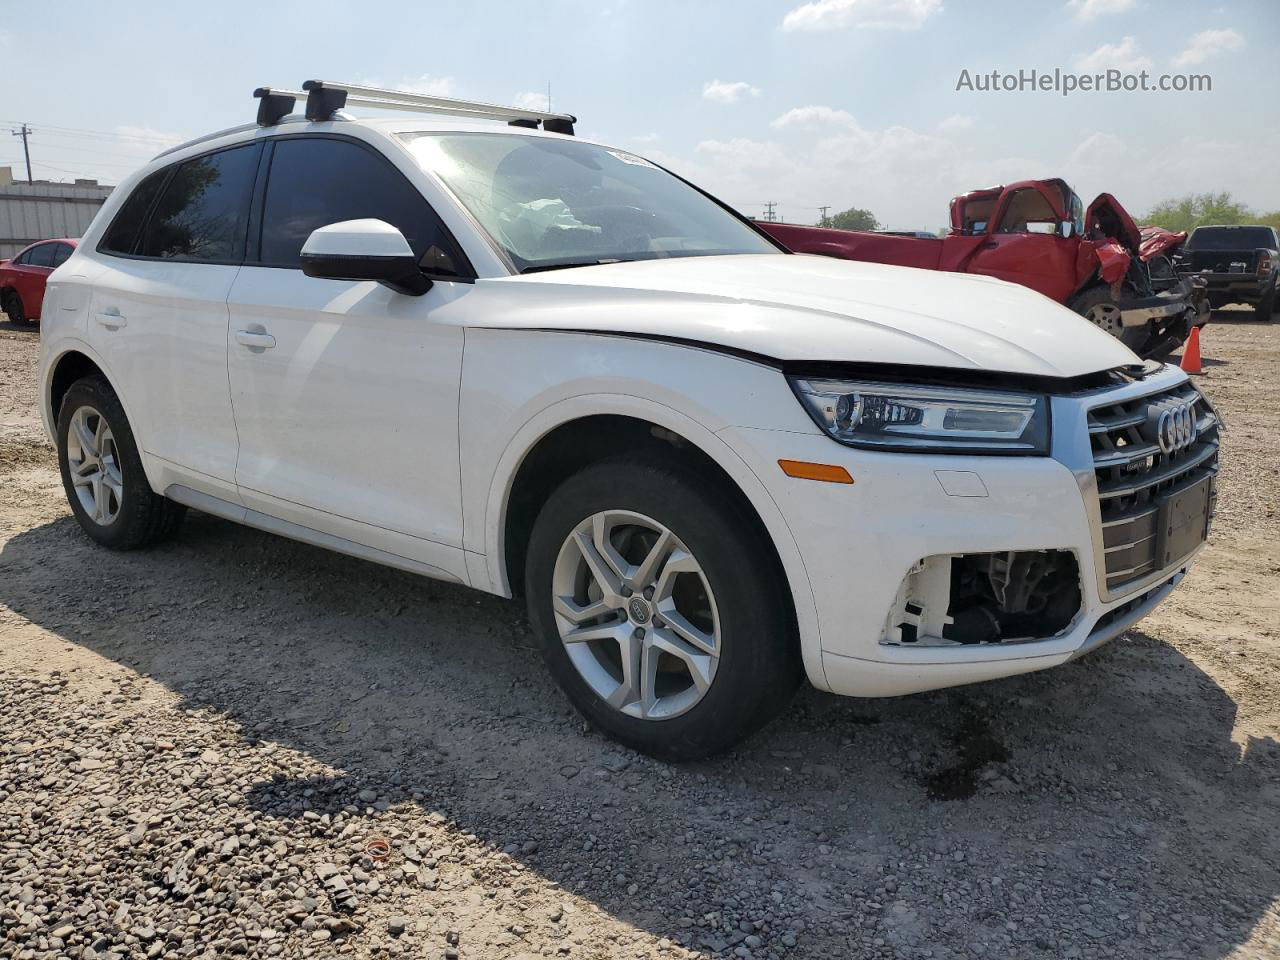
836,103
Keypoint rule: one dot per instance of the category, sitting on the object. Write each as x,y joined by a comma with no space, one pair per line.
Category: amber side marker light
825,472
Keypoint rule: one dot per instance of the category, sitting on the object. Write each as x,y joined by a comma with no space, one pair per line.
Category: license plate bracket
1184,522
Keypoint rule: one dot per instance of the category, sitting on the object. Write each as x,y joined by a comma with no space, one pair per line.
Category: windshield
1229,238
556,203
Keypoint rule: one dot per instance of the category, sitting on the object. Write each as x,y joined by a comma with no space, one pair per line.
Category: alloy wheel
94,464
1106,316
636,615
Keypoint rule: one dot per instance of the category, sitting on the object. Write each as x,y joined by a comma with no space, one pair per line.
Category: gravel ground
238,745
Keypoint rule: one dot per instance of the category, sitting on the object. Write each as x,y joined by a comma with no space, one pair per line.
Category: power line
104,134
24,133
769,215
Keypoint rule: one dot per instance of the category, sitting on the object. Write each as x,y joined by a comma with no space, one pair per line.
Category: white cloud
1092,9
1124,55
838,14
955,123
428,85
718,92
815,116
1209,43
1097,152
643,138
528,100
824,156
148,138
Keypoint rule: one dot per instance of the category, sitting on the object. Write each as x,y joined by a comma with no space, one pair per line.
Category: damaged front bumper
1169,305
1030,570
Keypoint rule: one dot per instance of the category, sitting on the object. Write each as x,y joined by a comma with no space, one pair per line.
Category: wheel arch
582,430
72,365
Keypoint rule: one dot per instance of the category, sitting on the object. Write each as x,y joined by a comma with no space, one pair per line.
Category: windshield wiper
541,267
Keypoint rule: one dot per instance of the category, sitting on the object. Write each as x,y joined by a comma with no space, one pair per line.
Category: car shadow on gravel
1104,803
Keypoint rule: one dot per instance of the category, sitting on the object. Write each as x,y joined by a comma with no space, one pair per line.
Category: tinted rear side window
122,235
204,209
61,254
317,181
42,256
1230,238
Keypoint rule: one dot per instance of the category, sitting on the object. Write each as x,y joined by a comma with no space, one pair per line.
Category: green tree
851,219
1194,209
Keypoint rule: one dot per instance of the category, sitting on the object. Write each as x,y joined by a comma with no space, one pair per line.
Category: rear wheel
102,473
1267,305
659,609
12,306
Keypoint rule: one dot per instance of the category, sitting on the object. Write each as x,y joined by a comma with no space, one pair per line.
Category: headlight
888,416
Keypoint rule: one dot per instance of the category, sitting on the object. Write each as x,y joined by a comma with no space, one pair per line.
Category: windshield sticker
630,158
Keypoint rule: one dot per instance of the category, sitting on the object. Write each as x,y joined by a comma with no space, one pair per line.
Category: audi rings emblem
1176,427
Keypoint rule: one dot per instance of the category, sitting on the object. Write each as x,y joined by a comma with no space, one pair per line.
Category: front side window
1026,206
41,256
24,258
122,235
552,203
316,181
204,209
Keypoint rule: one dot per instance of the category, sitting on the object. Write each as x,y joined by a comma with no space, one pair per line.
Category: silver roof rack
325,98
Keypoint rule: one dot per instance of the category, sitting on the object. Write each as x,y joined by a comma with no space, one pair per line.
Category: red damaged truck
1038,233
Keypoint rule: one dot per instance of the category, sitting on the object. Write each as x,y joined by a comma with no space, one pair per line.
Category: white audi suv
466,343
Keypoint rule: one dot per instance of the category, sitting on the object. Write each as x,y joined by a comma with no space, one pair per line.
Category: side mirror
364,250
1068,227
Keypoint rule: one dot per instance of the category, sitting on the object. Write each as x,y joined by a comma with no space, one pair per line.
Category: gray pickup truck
1239,264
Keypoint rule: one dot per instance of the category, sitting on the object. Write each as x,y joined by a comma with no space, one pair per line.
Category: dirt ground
239,745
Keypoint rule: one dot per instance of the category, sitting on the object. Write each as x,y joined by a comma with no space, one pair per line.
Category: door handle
255,339
111,319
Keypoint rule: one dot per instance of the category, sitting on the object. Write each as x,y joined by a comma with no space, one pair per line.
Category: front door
1013,251
345,392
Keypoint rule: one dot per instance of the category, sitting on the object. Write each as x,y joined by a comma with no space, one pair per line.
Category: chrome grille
1134,475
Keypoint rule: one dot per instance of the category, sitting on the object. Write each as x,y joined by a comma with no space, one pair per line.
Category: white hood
794,307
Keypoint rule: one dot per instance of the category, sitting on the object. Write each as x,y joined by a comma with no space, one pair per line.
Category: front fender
563,397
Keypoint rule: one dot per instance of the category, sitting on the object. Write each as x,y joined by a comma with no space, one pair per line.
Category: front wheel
660,609
1097,306
102,472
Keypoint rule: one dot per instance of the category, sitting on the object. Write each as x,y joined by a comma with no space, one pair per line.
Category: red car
22,278
1039,234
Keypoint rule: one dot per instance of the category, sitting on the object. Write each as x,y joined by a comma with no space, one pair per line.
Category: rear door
348,417
159,311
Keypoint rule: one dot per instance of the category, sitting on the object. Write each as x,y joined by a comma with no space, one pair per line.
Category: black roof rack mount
325,98
273,105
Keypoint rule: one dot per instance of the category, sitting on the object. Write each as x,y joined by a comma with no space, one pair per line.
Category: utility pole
26,151
822,220
768,210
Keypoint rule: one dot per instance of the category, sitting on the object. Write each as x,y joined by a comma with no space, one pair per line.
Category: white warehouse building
44,210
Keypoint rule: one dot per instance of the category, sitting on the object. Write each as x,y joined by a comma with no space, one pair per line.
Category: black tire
13,308
1266,307
142,518
759,667
1099,297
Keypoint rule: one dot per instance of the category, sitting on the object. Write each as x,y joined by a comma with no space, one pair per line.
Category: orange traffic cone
1191,353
